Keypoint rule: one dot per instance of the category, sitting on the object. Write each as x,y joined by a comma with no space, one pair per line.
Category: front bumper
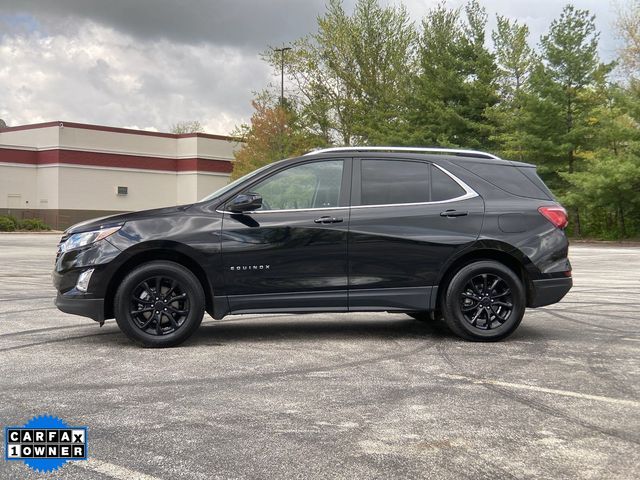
77,305
98,257
549,290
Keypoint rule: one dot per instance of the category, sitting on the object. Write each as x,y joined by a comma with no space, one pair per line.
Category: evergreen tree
456,82
607,188
515,60
559,111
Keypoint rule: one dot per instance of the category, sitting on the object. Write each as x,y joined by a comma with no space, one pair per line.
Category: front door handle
453,213
328,219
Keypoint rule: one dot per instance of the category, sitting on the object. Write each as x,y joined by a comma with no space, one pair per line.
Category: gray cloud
99,75
240,23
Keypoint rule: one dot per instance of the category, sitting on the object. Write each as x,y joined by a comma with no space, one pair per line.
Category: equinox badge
249,267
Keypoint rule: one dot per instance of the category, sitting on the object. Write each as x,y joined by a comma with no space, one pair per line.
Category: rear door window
385,182
390,182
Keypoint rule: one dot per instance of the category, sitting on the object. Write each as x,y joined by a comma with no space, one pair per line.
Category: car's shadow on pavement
302,329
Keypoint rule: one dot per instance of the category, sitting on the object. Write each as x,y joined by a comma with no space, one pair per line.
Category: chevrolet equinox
458,235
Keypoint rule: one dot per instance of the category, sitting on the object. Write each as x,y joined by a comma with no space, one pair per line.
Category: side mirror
245,202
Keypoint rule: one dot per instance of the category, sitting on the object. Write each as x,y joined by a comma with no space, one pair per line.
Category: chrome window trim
285,210
456,199
468,190
469,193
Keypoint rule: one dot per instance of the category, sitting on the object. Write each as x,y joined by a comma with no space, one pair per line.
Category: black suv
435,233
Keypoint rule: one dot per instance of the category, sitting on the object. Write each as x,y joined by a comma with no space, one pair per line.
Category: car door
291,254
408,217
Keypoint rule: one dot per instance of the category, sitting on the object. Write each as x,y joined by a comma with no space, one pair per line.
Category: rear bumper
86,307
550,290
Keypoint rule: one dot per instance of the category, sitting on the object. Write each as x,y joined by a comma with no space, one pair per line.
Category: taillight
556,215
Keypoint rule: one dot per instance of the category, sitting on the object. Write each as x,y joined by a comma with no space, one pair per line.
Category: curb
604,243
26,232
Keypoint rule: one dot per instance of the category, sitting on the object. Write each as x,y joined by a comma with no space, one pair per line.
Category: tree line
375,77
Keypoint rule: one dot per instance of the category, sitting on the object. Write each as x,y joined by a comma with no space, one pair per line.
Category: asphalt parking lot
335,395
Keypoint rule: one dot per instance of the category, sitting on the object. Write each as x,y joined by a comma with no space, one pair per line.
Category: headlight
78,240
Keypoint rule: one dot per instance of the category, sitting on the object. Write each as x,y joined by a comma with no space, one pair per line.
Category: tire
137,306
477,309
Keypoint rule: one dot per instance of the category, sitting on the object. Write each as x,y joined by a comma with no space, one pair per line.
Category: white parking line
632,339
114,471
522,386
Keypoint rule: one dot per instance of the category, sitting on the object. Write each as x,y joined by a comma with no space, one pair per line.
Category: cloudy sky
150,63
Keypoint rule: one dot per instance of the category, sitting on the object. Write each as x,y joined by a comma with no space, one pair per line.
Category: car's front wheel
159,304
484,301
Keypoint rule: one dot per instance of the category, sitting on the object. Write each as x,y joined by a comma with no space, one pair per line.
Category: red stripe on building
204,165
112,160
94,159
12,155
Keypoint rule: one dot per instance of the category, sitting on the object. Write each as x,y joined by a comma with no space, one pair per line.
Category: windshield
235,183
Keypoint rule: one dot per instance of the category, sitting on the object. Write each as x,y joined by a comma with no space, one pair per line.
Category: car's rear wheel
484,301
159,304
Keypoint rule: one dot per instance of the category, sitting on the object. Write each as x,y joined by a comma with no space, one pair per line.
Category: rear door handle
453,213
328,219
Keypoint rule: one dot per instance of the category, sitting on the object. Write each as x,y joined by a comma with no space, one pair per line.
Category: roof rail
455,151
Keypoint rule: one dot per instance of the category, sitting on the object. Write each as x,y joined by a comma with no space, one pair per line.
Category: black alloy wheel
159,304
484,301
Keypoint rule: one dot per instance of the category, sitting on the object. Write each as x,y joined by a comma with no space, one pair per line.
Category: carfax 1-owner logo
45,443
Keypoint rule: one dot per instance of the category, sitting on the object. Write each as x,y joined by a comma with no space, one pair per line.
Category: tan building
67,172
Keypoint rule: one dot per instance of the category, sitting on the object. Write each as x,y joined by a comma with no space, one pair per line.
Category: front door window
310,185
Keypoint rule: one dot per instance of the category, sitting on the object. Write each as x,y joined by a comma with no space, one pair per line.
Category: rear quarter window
511,179
532,175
